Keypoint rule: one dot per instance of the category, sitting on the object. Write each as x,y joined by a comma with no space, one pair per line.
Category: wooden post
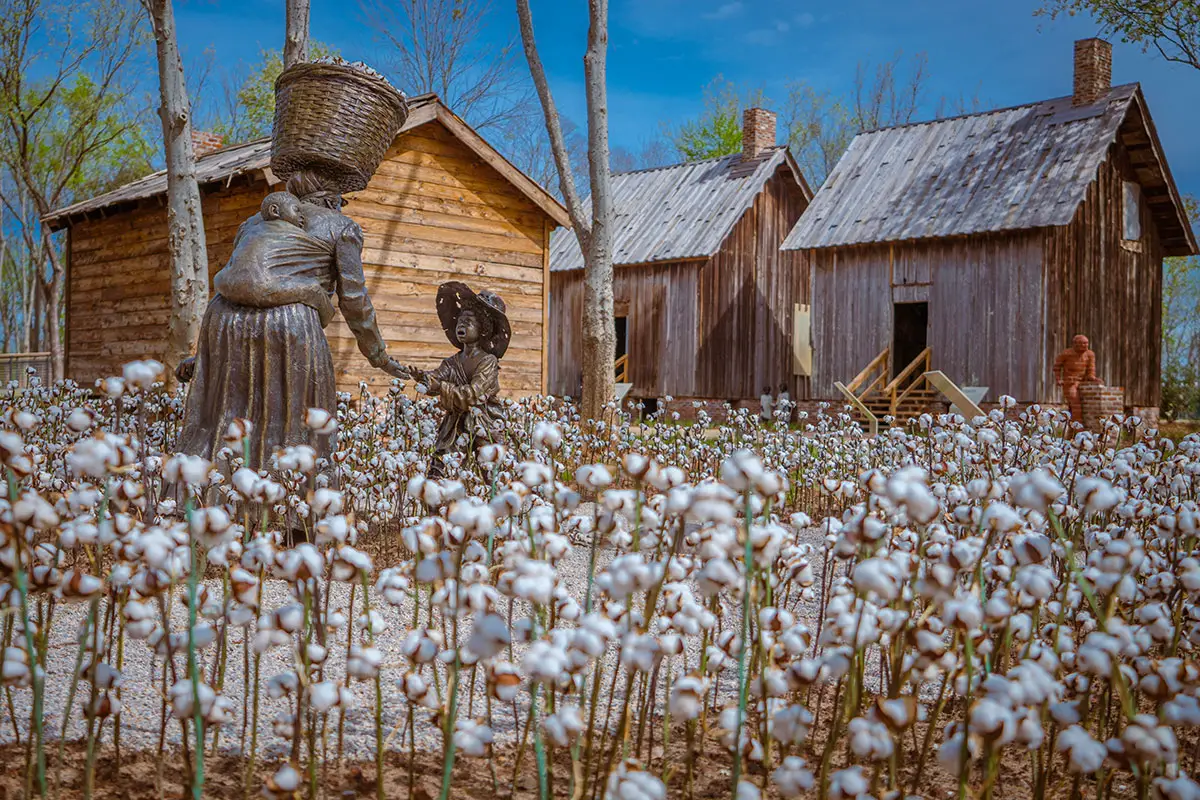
872,420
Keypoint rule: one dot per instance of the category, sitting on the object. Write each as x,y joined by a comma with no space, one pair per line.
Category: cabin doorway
910,333
621,365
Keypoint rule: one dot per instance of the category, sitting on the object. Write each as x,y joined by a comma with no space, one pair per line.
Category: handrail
876,362
621,365
19,356
872,420
925,356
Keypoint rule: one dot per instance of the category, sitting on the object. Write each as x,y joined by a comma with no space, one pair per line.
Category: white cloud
804,19
725,11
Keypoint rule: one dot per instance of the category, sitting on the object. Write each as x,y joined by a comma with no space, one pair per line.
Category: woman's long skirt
267,365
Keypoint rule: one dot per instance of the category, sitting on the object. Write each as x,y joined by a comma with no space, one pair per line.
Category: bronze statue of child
468,382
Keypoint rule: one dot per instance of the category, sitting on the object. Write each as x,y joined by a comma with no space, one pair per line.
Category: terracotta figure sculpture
1073,366
262,352
468,382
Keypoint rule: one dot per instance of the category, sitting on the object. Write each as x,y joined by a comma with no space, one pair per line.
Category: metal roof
227,163
679,212
1010,169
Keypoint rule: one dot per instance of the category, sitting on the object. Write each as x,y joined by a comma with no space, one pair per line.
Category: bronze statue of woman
262,353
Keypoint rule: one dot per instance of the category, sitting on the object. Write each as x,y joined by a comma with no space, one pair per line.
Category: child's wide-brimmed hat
453,297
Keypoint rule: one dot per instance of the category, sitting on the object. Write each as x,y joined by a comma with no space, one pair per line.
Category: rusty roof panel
679,212
1011,169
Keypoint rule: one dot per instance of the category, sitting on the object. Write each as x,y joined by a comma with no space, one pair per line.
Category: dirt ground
140,776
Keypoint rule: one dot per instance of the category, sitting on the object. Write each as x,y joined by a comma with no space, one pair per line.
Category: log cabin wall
659,303
433,212
747,292
1107,288
118,279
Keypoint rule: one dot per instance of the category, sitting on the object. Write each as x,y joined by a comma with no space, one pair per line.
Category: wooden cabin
980,245
443,205
703,296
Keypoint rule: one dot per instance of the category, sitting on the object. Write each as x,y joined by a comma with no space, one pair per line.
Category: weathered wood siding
851,313
659,304
433,212
719,328
747,293
1107,289
984,296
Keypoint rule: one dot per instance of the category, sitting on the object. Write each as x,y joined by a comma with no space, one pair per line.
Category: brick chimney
758,131
204,142
1093,71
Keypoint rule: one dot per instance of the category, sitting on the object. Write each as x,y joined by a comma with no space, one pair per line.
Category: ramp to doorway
956,395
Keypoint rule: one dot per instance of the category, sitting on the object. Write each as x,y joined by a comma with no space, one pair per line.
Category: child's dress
468,392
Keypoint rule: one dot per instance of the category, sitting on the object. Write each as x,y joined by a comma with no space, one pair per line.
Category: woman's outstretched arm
353,299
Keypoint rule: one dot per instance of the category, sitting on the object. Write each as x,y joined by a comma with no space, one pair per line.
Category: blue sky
662,53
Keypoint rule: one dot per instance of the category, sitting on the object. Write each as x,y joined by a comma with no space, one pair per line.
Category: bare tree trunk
36,316
295,43
599,333
185,223
53,289
592,227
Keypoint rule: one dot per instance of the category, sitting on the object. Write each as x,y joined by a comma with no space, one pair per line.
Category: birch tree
295,43
591,226
185,222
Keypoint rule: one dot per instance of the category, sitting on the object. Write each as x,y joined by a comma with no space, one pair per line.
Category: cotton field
634,609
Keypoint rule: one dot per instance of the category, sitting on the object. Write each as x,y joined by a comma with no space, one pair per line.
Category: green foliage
1181,330
718,129
250,101
1172,27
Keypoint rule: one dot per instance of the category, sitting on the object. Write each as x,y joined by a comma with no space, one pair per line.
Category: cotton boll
792,777
1179,788
284,784
848,784
629,782
564,725
1084,754
870,740
472,738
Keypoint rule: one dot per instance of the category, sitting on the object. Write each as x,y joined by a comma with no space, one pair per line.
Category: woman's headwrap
312,187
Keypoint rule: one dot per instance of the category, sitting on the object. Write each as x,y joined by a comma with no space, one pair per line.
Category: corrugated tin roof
678,212
225,164
1010,169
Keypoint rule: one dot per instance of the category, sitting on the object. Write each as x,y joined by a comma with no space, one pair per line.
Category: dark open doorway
621,324
910,333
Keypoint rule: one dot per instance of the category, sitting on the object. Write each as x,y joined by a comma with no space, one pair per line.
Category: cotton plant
814,611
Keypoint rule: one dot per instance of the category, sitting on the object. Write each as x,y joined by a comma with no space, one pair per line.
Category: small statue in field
1073,366
467,383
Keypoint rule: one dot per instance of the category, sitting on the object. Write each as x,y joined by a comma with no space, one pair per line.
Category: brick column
1099,402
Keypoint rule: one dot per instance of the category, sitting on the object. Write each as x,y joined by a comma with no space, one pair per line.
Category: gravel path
141,698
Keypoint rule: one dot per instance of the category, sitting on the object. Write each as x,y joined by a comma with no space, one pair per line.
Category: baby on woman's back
275,262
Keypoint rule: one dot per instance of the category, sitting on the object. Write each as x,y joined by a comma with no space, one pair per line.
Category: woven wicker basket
336,120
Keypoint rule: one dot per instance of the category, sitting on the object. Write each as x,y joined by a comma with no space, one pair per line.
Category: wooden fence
17,366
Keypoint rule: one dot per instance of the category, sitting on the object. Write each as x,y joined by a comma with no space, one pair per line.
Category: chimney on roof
204,143
1093,71
758,131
